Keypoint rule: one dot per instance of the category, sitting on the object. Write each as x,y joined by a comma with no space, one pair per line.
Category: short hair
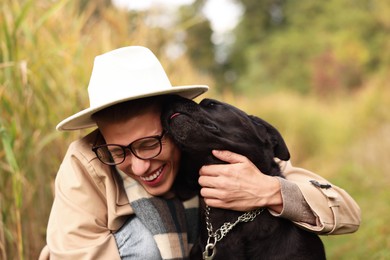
124,110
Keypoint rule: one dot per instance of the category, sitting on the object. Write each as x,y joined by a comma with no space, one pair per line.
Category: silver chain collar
217,235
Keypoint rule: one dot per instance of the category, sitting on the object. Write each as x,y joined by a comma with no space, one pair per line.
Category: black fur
199,128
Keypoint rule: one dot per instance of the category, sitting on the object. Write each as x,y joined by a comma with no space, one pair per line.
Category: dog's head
199,128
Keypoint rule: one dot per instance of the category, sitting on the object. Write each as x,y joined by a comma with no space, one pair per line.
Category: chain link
221,232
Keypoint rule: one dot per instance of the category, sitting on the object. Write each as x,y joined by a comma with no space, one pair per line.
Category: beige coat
90,204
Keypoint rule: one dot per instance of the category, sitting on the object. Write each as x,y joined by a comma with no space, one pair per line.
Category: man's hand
238,185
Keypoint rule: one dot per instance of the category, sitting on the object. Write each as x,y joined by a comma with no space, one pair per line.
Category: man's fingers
214,197
206,181
229,157
232,160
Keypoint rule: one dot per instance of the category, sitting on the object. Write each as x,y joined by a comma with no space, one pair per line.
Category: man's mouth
153,176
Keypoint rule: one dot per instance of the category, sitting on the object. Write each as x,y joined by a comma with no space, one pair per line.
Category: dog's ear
279,146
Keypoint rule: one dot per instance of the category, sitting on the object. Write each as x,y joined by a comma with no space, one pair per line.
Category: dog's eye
211,104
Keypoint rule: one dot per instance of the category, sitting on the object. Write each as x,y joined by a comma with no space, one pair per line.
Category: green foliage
198,33
321,47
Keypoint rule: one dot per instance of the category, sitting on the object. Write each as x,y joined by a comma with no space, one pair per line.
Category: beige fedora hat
125,74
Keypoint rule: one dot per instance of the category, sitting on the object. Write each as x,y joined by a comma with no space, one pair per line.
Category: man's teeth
153,176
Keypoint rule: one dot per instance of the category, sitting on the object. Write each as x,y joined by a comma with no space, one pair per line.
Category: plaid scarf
173,223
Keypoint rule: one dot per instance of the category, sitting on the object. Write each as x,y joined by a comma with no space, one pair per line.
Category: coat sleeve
335,210
85,211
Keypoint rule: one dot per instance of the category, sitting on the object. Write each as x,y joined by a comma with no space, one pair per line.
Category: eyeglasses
144,148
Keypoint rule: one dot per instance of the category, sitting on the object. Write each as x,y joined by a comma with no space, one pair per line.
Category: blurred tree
258,20
197,37
309,46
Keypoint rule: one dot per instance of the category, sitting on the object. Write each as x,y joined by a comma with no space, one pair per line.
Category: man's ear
278,144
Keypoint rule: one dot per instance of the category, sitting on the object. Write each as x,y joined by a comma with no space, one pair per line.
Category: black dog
198,129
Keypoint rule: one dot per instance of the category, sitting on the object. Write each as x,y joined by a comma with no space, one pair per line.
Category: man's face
156,175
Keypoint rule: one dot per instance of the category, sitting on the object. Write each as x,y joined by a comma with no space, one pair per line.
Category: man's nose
138,166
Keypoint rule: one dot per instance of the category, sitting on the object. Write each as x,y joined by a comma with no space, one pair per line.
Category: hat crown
122,75
123,72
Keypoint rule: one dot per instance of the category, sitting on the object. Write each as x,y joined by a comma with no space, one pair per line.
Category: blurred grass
46,54
47,50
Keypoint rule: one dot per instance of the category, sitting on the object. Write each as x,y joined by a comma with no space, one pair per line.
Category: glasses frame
130,148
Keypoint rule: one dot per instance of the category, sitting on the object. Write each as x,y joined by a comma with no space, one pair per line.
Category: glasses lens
147,148
111,154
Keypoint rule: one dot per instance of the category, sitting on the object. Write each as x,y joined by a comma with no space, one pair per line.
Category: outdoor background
317,70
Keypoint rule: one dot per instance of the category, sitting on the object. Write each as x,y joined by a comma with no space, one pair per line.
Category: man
129,147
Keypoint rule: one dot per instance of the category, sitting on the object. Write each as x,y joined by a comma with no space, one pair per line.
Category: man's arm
333,209
303,197
87,207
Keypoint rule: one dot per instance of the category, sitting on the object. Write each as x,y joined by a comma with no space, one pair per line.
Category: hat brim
83,118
